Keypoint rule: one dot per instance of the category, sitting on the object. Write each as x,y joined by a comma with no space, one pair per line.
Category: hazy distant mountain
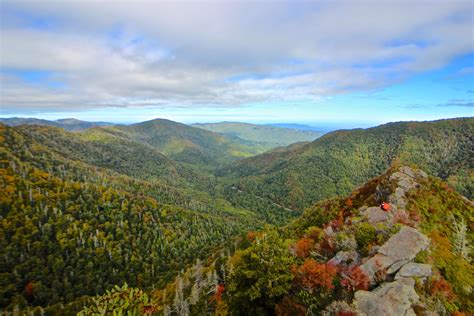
301,127
69,124
266,136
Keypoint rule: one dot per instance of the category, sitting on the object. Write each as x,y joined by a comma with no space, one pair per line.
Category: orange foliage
313,275
441,287
349,203
251,236
356,279
303,247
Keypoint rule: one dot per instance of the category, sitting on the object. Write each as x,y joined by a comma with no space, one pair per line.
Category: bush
365,235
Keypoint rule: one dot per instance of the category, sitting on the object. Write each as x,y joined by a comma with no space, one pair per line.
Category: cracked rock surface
389,299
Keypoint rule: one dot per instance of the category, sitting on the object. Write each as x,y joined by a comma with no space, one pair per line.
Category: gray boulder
389,299
345,258
413,269
375,215
400,249
405,244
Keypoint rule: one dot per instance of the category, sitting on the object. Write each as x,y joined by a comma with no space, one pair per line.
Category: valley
83,212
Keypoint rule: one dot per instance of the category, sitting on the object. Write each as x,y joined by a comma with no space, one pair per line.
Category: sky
357,63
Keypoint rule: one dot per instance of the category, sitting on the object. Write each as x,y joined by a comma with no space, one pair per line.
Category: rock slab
400,249
390,299
413,269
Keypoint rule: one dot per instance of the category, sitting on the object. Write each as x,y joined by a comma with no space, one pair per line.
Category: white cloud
132,53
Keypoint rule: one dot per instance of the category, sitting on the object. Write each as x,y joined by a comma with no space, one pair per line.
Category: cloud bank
89,54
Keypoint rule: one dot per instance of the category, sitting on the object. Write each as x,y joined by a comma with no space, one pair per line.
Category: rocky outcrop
375,215
413,269
405,244
406,179
389,299
389,267
345,259
400,249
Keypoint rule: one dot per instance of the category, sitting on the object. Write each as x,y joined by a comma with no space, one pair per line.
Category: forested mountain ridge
181,142
264,136
69,227
343,256
339,161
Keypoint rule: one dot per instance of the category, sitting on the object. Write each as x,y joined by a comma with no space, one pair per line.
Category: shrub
303,247
365,235
313,275
355,279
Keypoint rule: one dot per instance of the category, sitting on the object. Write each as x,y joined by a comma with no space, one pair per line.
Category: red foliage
29,288
356,279
288,307
303,247
217,297
336,224
441,287
313,275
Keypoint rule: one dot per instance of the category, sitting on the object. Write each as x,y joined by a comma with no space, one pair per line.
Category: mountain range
69,124
85,211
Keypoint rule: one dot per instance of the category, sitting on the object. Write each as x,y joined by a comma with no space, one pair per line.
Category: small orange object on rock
385,206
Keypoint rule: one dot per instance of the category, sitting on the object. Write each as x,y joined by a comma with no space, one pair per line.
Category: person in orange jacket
385,206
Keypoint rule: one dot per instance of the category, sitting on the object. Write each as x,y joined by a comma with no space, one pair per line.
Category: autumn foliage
217,297
303,247
29,287
313,275
355,279
251,236
441,287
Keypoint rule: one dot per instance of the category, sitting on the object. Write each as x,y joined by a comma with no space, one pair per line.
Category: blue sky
355,63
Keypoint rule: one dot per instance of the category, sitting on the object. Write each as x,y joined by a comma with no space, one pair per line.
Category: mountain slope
75,221
343,256
113,153
339,161
265,136
348,255
68,124
180,142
